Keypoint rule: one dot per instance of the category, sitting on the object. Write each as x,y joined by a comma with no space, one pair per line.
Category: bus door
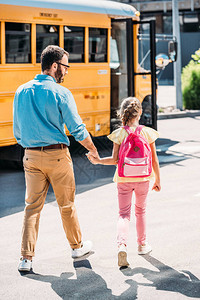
145,70
133,71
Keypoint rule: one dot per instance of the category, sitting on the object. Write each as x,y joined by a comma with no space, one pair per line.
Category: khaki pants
41,169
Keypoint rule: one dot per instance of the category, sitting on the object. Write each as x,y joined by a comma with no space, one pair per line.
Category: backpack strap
128,129
137,130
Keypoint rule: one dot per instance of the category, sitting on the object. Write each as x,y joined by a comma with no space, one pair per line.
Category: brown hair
50,55
130,109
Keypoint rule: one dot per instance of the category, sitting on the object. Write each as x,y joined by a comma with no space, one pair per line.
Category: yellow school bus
102,38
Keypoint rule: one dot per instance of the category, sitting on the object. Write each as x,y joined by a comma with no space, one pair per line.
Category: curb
180,114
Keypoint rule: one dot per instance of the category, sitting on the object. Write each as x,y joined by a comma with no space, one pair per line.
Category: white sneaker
25,265
122,256
144,249
86,248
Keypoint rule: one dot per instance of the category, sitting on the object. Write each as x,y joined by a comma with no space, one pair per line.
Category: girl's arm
156,169
112,160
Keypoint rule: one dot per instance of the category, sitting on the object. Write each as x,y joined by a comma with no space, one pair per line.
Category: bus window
74,43
144,49
45,35
114,55
18,43
98,45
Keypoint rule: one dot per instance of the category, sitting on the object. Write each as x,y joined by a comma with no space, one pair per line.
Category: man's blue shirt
41,108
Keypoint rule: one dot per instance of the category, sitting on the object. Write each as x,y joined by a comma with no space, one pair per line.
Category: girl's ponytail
130,109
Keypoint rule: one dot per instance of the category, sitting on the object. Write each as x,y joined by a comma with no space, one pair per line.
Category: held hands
93,157
94,153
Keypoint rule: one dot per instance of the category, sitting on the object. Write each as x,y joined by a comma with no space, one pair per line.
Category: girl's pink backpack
135,157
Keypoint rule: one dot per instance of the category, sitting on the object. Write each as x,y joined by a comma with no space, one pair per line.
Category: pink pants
125,191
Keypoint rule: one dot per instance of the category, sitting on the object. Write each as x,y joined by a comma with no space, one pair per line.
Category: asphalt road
171,271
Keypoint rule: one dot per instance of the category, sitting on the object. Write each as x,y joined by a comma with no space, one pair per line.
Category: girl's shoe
122,256
144,249
25,265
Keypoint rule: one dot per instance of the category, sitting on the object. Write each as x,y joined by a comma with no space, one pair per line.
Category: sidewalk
170,272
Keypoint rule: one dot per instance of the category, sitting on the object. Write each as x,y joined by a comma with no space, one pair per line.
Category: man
41,107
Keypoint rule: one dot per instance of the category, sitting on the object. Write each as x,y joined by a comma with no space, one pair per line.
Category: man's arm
88,144
75,124
71,117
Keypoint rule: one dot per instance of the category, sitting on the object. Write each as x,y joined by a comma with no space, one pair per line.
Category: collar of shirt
44,77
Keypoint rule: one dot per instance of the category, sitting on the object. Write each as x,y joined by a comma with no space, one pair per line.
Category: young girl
131,110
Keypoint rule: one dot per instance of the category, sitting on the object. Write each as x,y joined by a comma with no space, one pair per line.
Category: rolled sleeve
71,117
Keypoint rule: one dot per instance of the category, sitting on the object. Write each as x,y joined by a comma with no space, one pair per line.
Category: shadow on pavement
87,285
166,278
12,194
162,147
90,285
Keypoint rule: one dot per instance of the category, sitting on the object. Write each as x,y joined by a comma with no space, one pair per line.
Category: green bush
191,83
196,56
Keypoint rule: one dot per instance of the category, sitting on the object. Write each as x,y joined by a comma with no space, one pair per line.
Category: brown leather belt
56,146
